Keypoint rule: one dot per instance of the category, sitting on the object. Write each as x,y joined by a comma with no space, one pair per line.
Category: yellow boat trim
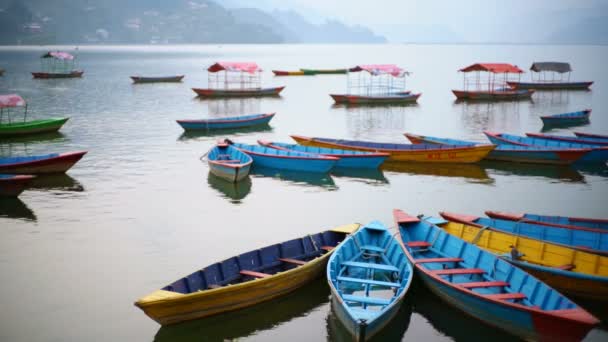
347,228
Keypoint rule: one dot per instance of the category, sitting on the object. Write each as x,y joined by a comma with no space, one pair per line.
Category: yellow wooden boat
246,279
571,271
405,152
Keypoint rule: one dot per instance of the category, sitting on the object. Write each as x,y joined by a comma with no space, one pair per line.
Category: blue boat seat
373,248
366,300
382,267
364,314
369,281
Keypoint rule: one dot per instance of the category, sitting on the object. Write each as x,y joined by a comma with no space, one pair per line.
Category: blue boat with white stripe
369,276
226,123
228,162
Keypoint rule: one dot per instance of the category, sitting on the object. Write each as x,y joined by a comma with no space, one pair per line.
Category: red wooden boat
202,92
235,79
13,185
49,163
58,64
492,85
343,98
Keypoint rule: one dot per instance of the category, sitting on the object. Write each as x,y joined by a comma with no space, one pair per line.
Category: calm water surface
140,210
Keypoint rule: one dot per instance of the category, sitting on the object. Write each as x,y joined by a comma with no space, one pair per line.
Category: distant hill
160,21
592,30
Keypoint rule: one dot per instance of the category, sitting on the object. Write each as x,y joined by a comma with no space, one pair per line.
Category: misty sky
469,20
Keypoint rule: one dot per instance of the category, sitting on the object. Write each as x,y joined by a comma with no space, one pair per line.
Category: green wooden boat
323,71
31,127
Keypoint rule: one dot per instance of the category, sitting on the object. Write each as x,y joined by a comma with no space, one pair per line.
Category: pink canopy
249,67
11,100
59,55
380,69
496,68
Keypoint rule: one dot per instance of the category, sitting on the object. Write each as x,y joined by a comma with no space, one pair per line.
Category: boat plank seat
292,261
452,271
255,274
429,260
418,244
373,248
479,284
327,248
381,267
368,281
505,296
229,161
366,300
566,267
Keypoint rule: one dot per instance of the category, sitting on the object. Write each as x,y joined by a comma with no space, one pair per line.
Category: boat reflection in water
14,208
471,172
563,173
187,135
248,322
367,176
53,182
306,179
592,169
235,192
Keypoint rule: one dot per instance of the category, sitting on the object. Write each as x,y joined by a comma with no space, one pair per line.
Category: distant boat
369,276
246,279
58,64
592,142
567,119
342,98
512,153
227,122
48,163
144,79
289,73
13,185
323,71
405,152
348,158
235,79
493,95
496,88
244,92
557,69
228,162
591,135
46,75
393,98
551,220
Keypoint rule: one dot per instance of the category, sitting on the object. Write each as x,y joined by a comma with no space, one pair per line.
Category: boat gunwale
58,157
225,120
365,154
521,218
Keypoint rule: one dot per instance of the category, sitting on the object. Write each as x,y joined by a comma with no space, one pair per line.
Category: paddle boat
594,142
323,71
592,240
342,98
512,153
489,86
405,152
395,98
567,119
226,123
246,279
591,135
551,220
58,64
575,272
556,81
289,73
228,162
347,159
48,163
157,79
286,160
12,127
488,288
235,79
13,185
369,276
596,155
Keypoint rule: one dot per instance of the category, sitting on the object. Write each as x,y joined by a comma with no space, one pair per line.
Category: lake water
140,209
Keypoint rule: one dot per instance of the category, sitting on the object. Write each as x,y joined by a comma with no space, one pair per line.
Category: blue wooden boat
13,185
488,288
594,142
287,160
596,155
47,163
512,153
349,159
588,239
368,275
567,119
591,135
226,123
228,162
549,220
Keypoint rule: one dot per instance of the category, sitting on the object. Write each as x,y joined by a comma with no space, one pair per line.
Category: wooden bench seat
505,296
327,248
418,244
293,261
479,284
255,274
453,271
441,260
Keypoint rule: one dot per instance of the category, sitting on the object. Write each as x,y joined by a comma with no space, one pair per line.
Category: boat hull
591,135
507,95
553,121
210,125
238,92
592,142
229,163
47,75
551,85
13,185
296,164
324,71
32,127
230,174
168,79
402,98
551,220
58,164
288,73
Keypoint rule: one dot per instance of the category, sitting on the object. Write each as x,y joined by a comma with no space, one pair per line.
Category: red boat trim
499,137
226,121
590,135
67,155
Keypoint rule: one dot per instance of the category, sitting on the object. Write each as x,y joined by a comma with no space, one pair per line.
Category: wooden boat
144,79
585,141
591,135
550,85
48,163
47,75
596,155
287,160
394,98
405,152
495,89
493,95
369,276
549,220
592,240
32,127
226,123
542,83
244,92
347,158
228,162
246,279
488,288
323,71
13,185
512,153
572,271
567,119
342,98
289,73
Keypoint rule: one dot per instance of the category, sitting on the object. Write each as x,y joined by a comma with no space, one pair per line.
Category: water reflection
61,182
361,120
367,176
559,172
235,192
307,179
187,135
247,322
233,106
468,171
550,127
593,169
478,116
14,208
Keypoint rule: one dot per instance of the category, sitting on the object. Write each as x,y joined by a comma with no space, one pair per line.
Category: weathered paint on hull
229,173
31,127
237,92
54,165
551,86
47,75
